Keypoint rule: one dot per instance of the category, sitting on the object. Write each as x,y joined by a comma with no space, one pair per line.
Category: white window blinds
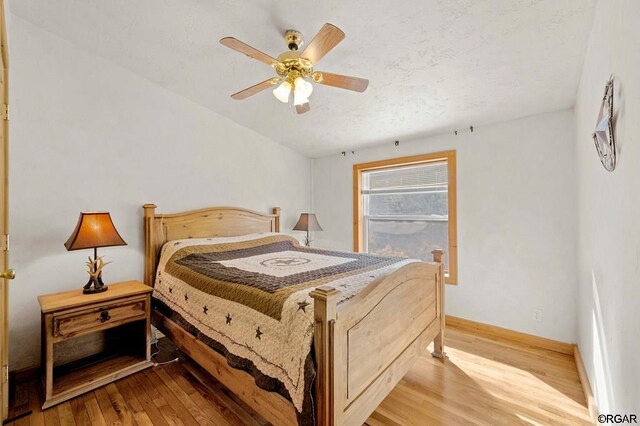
406,210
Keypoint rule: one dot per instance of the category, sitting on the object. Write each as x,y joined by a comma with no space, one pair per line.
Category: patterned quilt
248,297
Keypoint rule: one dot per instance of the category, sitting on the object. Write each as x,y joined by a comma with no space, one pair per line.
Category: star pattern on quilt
170,289
258,333
228,318
186,297
303,305
205,309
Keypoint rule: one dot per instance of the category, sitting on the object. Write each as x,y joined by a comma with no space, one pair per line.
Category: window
407,207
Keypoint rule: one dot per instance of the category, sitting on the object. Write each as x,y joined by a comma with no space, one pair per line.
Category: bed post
276,224
325,299
150,255
438,342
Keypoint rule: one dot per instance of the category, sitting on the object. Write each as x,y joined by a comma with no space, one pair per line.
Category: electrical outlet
537,315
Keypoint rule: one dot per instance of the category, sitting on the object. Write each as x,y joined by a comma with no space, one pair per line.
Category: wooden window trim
358,205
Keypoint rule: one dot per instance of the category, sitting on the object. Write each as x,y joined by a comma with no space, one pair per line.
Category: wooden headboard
203,223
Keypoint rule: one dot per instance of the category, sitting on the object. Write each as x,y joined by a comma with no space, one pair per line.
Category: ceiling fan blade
252,52
327,38
250,91
341,81
301,109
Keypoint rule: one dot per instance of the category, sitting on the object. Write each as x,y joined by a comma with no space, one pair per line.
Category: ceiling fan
295,70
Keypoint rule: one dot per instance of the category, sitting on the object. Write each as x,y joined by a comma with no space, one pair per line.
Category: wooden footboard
366,345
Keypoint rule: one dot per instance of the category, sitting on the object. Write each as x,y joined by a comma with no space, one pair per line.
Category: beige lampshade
94,229
307,222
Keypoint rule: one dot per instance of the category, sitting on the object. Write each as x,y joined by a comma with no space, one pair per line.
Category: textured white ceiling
433,65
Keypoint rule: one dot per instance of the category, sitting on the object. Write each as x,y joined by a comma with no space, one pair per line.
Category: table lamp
307,222
93,230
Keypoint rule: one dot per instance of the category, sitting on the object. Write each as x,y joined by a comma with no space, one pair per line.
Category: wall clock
603,136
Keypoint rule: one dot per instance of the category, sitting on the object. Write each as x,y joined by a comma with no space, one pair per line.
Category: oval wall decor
603,136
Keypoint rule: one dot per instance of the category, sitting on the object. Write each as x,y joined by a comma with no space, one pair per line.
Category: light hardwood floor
485,381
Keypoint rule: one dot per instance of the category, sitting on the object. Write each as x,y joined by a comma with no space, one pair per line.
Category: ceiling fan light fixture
282,92
304,87
299,98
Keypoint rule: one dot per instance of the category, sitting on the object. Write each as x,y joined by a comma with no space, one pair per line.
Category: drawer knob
104,316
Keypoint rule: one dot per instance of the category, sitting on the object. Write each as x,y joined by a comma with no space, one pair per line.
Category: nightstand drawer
72,324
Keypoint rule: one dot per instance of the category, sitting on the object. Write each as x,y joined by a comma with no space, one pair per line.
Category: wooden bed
363,347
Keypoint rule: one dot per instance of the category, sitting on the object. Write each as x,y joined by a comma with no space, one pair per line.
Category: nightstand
90,340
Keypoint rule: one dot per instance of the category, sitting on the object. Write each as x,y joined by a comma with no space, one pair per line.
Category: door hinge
5,111
4,242
5,373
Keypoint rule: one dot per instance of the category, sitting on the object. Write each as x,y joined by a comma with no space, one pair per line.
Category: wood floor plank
107,409
151,390
80,414
65,414
183,413
485,381
93,410
131,397
121,408
200,416
51,417
154,395
208,402
37,416
147,402
245,413
166,409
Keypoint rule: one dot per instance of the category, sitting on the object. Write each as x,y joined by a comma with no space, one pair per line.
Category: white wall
89,135
516,219
609,212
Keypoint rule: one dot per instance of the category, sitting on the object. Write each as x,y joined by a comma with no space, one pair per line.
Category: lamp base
95,285
93,290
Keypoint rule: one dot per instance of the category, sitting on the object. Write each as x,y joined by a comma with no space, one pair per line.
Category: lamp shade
94,229
307,222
